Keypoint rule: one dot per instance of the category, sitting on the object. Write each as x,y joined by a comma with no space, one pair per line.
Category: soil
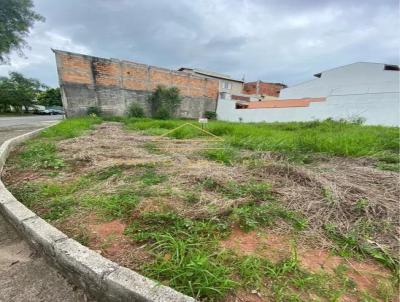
271,246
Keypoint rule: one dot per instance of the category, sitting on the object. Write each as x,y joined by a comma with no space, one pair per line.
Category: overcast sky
271,40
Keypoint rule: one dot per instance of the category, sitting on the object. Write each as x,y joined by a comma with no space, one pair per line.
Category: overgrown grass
40,155
353,243
70,128
186,253
330,137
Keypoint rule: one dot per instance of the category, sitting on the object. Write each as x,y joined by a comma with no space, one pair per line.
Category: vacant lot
274,212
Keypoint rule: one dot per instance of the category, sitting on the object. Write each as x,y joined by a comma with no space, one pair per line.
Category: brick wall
113,85
271,89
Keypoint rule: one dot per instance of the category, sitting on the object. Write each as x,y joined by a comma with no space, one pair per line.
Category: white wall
376,108
355,78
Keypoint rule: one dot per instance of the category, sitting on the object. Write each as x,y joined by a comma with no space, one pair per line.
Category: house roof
318,75
211,74
286,103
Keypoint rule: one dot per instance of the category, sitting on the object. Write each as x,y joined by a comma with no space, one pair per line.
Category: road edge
103,279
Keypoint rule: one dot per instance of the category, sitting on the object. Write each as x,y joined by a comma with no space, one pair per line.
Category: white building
367,90
353,79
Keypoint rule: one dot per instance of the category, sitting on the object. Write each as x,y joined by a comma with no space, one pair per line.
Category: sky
269,40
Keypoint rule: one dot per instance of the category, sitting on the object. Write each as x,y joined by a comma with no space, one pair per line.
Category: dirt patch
319,260
244,296
274,247
367,275
19,176
108,145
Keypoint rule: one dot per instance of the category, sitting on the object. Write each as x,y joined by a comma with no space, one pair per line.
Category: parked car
50,112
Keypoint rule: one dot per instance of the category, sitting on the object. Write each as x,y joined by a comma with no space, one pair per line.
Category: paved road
24,275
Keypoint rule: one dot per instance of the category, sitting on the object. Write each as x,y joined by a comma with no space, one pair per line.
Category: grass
40,155
187,254
185,250
251,216
330,137
353,244
70,128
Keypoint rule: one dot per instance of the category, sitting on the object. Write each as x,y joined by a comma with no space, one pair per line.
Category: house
369,91
263,88
361,78
226,83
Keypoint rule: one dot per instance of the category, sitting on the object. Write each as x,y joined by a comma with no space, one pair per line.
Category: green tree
16,18
49,97
164,102
18,91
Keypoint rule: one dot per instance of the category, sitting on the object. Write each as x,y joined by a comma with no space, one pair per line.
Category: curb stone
105,280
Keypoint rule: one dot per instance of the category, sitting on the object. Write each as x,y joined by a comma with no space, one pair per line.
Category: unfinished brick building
263,88
112,85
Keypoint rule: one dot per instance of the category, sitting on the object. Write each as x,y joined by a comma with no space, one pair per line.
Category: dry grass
347,194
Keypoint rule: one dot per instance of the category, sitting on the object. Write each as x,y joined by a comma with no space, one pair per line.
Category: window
392,67
226,85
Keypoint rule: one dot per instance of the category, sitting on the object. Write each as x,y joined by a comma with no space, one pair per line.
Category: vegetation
70,128
49,97
18,92
135,110
164,102
211,115
186,251
329,137
16,19
93,110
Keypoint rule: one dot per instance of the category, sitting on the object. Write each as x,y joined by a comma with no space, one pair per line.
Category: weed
188,267
252,215
327,193
330,137
40,155
352,243
250,271
256,191
151,177
185,252
58,208
117,205
152,148
192,197
226,156
82,236
70,128
106,173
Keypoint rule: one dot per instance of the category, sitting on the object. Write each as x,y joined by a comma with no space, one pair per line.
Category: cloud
275,40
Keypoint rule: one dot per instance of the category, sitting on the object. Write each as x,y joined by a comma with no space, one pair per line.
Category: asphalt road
24,274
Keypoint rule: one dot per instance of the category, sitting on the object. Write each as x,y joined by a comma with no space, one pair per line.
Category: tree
49,97
18,91
164,102
16,18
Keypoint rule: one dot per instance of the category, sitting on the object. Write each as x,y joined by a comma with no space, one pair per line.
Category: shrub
211,115
93,110
135,110
164,102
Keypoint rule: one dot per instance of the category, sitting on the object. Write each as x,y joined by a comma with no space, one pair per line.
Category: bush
162,114
211,115
164,102
135,110
93,111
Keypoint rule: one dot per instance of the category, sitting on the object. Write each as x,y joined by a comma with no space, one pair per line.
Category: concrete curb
103,279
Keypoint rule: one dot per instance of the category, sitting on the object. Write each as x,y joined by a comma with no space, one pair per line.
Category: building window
226,85
392,67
